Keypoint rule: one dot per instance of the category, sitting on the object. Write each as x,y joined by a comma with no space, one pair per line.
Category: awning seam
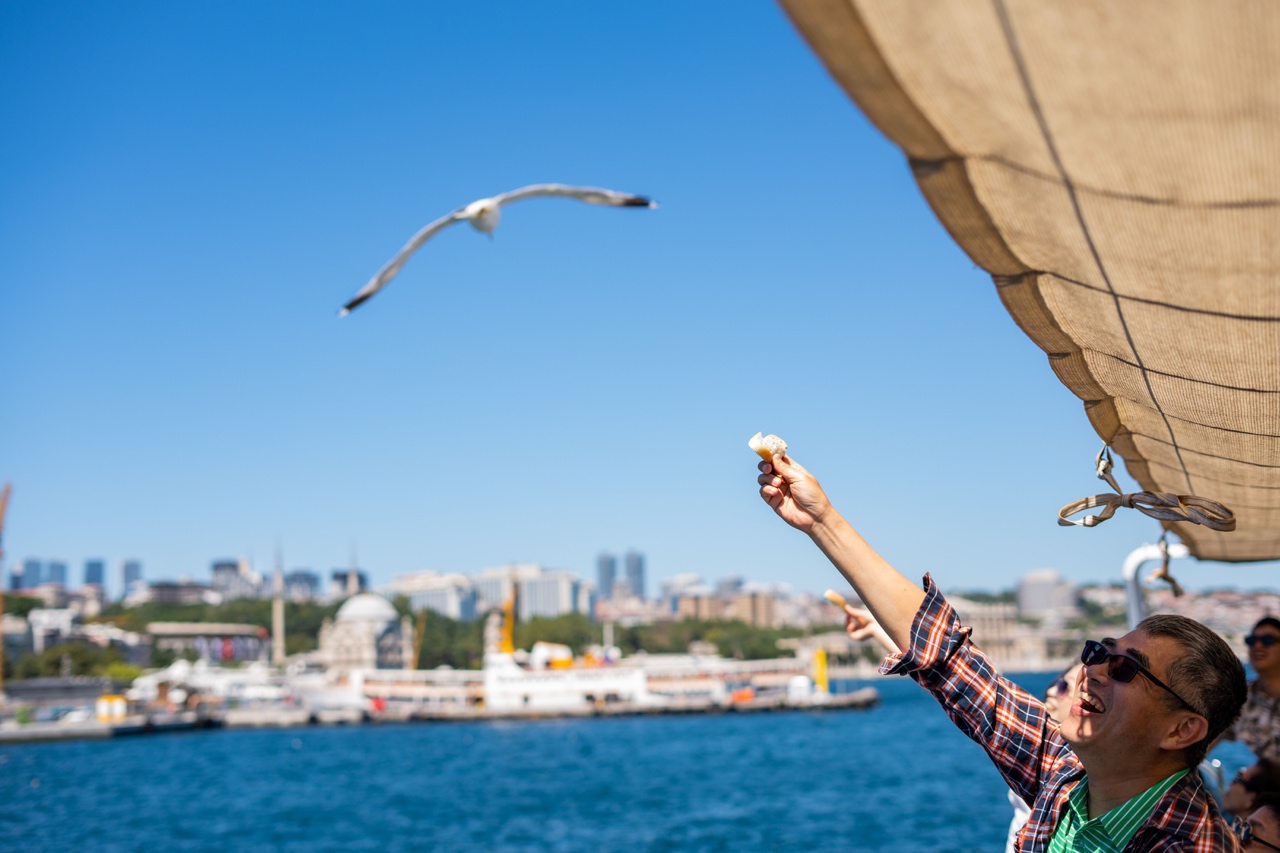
1015,53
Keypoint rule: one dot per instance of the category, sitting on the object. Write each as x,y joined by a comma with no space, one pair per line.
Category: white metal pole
1136,606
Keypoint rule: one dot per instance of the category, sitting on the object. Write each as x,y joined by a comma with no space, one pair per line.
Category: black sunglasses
1059,688
1267,640
1245,832
1124,668
1243,782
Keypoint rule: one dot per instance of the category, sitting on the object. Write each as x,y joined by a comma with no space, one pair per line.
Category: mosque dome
366,607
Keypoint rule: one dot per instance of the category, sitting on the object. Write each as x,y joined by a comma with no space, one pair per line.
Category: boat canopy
1116,168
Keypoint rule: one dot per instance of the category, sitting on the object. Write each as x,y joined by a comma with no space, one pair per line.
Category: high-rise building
635,573
606,572
550,595
687,584
537,592
301,585
234,579
130,575
492,591
494,586
95,572
347,582
451,595
32,574
457,601
55,571
727,588
1044,595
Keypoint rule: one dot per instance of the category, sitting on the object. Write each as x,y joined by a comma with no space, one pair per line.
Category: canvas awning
1116,168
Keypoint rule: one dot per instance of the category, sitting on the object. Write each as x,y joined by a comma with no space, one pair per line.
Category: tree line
443,641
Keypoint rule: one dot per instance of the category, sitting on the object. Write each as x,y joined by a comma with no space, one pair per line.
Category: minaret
277,616
353,575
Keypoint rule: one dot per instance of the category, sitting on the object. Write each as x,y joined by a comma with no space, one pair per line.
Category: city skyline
209,184
116,572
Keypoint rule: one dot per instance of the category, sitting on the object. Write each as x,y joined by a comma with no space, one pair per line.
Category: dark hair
1267,800
1268,622
1207,674
1266,781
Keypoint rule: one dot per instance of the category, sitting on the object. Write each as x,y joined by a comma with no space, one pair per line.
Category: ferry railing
1136,604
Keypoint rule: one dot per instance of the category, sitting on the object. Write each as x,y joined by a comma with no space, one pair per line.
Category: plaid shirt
1018,735
1259,723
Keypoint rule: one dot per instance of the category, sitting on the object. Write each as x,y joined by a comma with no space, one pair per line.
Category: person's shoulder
1188,819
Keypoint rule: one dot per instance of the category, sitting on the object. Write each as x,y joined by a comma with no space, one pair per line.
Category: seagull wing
393,266
591,195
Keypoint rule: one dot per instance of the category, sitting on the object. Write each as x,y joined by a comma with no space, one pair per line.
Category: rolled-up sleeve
1006,721
936,634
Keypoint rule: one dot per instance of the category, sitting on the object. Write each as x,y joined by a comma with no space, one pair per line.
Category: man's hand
793,493
798,500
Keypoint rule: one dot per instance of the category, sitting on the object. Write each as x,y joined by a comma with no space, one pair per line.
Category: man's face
1264,658
1118,721
1237,799
1266,827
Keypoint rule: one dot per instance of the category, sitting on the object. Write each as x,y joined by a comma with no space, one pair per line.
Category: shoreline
289,718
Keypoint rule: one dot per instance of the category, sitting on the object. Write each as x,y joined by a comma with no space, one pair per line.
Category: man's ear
1187,729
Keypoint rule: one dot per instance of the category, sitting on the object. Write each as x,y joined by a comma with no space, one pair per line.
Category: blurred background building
1044,596
606,573
130,576
95,572
635,574
539,592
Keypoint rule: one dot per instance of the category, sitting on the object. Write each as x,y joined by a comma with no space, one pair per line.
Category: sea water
896,777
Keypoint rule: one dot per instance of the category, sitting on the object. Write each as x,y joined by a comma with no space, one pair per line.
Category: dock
14,733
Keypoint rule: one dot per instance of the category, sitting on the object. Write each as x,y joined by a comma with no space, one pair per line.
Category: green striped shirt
1108,833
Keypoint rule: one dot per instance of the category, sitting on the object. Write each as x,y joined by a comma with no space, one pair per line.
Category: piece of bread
835,598
767,445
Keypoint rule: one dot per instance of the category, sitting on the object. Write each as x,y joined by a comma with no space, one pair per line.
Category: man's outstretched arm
1009,723
794,494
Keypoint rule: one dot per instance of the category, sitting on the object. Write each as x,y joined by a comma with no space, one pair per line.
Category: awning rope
1159,505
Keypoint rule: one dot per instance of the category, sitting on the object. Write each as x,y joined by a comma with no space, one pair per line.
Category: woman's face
1238,798
1264,651
1062,694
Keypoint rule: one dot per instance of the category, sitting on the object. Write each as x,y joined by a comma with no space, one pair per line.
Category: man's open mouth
1091,704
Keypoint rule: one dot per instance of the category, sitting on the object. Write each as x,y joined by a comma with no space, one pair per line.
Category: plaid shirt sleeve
1009,723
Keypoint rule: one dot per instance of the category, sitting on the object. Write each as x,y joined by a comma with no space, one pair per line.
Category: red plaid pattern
1016,732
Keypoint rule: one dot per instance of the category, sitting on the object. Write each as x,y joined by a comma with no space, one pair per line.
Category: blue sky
188,193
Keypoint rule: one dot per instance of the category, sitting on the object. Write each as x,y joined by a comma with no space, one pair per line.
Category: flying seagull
484,215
